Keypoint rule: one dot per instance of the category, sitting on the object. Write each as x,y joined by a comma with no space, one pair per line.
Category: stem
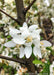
26,9
12,59
9,16
30,65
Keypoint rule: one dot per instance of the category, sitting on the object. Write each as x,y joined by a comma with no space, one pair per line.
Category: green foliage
14,56
3,48
7,68
1,25
36,61
52,53
34,7
41,38
25,73
8,36
46,68
49,48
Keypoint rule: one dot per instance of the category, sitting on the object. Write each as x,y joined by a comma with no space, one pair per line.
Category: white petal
33,27
13,31
37,51
46,43
28,44
25,24
21,52
18,40
10,44
36,42
24,27
52,19
36,33
47,2
28,51
25,34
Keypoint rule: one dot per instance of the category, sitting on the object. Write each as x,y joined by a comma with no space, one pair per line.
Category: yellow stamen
41,43
18,46
29,39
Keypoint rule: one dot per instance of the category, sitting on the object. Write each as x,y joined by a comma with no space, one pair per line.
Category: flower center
29,39
18,46
41,43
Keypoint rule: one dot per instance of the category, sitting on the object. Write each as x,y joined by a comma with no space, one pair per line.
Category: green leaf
49,48
8,36
41,37
52,53
46,68
36,61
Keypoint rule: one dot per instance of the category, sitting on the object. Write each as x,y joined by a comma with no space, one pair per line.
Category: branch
12,59
20,11
50,37
26,9
9,16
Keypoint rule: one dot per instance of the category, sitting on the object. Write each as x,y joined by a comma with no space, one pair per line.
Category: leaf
36,61
52,53
46,68
41,37
8,36
49,48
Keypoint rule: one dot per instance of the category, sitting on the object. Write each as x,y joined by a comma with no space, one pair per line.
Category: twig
9,16
50,37
12,59
28,19
26,9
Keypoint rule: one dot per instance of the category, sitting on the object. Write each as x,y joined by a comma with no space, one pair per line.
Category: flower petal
52,19
19,40
28,51
10,44
28,44
24,27
37,51
25,34
35,33
13,31
25,24
36,42
21,52
33,27
47,2
46,43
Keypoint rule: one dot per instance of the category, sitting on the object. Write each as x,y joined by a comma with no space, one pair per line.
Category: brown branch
26,9
9,16
20,11
50,37
12,59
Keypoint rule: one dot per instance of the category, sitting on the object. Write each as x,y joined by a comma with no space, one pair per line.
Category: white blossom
26,36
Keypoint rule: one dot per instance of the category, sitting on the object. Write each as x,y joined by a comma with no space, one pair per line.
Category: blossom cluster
24,38
27,39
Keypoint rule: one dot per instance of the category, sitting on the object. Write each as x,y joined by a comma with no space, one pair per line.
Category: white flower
2,40
45,43
47,2
9,1
0,4
33,37
51,69
26,36
52,19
